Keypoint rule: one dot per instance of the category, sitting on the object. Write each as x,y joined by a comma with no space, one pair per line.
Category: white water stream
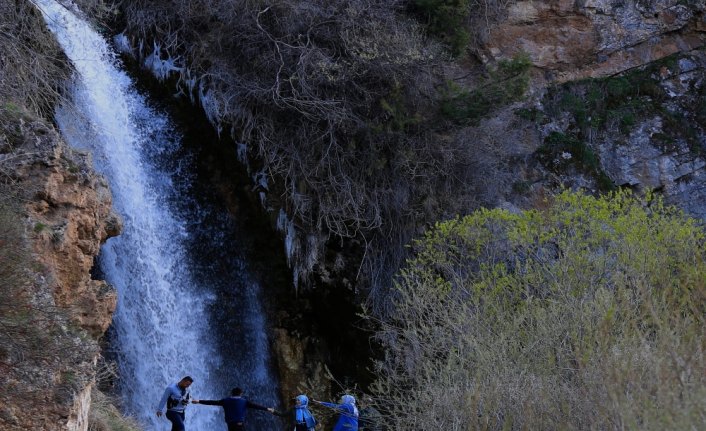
164,326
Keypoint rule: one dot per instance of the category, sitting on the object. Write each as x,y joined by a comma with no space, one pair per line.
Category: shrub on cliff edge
104,416
32,65
587,315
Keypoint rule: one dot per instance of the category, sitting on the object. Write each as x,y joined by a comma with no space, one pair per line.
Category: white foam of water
161,322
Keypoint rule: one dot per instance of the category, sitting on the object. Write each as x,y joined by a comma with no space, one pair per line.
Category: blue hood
303,400
302,413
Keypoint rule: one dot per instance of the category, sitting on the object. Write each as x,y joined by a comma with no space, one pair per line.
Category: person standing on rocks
348,413
176,397
235,407
299,416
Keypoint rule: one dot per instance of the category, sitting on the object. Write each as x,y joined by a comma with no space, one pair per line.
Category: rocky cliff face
73,207
665,149
617,101
58,312
570,40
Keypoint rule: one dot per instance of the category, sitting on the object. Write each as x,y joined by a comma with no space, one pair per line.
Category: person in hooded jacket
300,416
348,413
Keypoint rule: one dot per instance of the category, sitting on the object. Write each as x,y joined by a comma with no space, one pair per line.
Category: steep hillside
54,214
362,123
334,109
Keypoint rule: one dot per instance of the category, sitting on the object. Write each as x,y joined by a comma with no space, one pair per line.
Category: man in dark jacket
235,407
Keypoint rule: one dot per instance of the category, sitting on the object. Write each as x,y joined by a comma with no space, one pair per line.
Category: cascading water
186,302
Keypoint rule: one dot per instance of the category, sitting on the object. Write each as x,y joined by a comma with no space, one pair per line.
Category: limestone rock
592,38
72,216
67,216
299,371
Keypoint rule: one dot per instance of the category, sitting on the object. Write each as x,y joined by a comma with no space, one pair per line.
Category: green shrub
447,20
531,114
506,84
580,152
596,104
586,315
561,151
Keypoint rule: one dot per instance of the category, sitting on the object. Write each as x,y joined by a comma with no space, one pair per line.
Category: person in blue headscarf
301,417
348,413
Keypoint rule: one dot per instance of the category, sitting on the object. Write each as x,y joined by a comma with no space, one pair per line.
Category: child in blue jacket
299,415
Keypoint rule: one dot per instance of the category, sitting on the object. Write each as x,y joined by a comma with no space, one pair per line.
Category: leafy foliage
587,315
463,25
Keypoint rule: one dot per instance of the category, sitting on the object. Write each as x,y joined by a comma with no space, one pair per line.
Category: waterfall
187,304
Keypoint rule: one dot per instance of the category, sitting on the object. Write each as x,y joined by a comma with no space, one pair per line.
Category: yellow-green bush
586,315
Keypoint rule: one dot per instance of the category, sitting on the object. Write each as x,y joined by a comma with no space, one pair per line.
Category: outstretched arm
282,414
209,402
252,405
329,405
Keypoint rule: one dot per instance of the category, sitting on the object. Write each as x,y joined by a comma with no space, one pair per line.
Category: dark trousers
236,426
177,420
